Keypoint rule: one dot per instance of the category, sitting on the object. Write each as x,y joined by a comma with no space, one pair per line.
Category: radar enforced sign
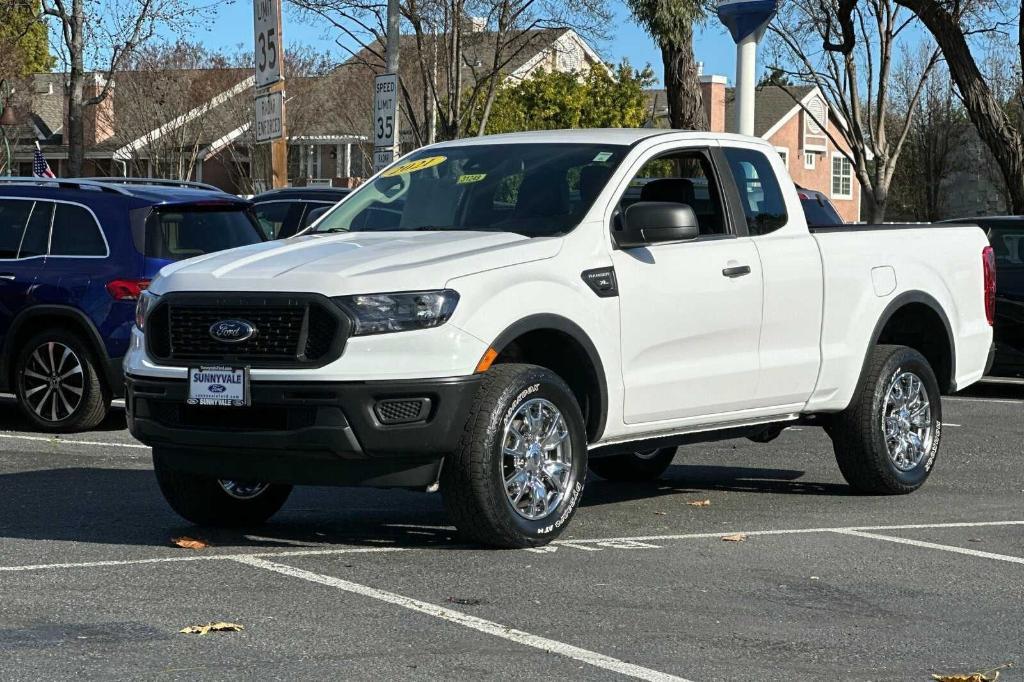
269,116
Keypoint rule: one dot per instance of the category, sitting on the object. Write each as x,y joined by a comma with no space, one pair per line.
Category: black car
1006,234
284,212
818,210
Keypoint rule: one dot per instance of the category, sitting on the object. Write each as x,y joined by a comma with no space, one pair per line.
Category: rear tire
208,501
887,440
519,470
634,466
58,384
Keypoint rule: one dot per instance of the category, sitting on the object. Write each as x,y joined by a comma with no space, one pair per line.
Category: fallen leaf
987,676
186,542
735,537
660,513
699,503
465,601
219,626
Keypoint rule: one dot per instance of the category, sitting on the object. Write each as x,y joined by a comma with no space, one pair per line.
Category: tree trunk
76,103
985,111
682,86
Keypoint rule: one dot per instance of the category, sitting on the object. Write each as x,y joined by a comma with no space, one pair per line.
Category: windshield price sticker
602,157
470,179
413,166
218,386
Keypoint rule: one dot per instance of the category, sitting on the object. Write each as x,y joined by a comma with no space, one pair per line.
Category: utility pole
746,21
386,138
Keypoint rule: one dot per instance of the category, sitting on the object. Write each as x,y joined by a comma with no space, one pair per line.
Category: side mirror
652,222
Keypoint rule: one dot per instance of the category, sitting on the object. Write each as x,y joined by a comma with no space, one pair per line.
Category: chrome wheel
907,421
241,490
53,381
536,459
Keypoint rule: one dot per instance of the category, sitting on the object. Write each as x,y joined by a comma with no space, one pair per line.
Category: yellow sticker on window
413,166
469,179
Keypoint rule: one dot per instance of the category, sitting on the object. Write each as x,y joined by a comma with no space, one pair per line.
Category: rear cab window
177,232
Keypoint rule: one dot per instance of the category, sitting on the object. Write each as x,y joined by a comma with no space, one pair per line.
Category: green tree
24,48
557,100
670,23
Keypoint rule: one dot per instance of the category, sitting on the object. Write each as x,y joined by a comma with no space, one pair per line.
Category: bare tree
455,52
105,35
857,85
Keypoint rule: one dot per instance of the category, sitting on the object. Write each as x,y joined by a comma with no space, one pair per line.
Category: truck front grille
290,330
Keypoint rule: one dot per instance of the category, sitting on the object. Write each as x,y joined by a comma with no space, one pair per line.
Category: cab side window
758,186
684,178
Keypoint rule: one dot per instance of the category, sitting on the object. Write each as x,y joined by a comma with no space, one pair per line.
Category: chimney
712,91
99,119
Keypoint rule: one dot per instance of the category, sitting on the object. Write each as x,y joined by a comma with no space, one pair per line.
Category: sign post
269,99
746,21
385,119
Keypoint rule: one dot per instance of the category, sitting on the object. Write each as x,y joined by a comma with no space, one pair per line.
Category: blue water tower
746,21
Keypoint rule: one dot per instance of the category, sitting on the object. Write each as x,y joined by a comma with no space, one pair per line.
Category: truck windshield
532,189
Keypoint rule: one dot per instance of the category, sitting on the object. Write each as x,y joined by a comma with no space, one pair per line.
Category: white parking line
486,626
53,440
983,400
633,541
933,545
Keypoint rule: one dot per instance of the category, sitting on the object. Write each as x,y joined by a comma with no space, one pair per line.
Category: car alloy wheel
53,381
242,490
537,459
907,420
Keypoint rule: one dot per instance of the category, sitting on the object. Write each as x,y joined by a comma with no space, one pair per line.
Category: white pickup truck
494,316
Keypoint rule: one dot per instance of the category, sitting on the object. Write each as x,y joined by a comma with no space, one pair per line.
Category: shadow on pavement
689,479
11,419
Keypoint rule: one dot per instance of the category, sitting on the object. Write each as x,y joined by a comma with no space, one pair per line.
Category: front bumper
312,433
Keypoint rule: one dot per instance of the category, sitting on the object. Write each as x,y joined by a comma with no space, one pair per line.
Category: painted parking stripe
52,440
486,626
933,545
983,400
567,543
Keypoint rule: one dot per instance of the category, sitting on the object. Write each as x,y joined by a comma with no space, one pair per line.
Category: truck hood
354,262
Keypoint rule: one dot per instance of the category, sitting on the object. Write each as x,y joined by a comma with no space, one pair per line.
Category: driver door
690,311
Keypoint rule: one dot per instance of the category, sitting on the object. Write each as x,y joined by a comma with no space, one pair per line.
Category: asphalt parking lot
361,584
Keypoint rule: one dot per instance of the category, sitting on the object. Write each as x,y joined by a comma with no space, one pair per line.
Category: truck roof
616,136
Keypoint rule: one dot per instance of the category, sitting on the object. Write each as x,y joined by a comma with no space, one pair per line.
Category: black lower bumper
310,433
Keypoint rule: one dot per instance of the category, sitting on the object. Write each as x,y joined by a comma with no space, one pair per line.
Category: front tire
887,440
518,473
58,383
634,466
208,501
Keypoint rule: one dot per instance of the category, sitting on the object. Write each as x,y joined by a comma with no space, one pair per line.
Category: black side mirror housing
653,222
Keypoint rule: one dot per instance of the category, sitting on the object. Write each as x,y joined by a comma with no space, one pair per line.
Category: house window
784,154
842,177
809,160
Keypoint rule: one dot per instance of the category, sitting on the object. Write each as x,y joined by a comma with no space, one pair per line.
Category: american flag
40,168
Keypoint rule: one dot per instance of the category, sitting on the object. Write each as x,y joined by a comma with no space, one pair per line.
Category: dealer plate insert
218,386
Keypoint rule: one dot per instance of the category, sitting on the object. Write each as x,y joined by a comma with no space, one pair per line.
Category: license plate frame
234,382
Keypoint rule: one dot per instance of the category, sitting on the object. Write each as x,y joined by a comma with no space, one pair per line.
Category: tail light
988,263
127,289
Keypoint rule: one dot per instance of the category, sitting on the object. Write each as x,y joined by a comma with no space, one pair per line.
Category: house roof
773,104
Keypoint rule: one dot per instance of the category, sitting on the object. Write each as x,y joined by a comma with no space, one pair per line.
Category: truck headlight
385,313
147,301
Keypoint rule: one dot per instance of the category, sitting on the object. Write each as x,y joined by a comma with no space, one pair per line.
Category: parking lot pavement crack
932,545
457,617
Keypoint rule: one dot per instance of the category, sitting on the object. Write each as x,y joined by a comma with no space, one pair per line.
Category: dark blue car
74,256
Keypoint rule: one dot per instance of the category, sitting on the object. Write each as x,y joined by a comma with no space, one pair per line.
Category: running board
700,433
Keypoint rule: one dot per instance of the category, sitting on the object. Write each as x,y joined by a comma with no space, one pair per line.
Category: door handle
736,271
7,276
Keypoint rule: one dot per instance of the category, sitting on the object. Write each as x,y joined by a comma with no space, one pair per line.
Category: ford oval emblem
217,388
232,331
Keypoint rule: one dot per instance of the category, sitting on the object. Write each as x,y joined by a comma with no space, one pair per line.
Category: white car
493,316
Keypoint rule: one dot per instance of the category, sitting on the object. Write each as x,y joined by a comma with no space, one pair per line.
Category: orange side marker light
485,362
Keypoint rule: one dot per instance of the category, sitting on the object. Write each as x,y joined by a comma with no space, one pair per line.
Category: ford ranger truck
492,317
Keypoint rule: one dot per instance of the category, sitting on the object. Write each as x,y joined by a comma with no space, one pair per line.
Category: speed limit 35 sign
385,110
267,37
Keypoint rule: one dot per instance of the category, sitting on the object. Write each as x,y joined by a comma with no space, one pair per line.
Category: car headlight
385,313
147,301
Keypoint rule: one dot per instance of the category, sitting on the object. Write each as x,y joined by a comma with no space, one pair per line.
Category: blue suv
74,257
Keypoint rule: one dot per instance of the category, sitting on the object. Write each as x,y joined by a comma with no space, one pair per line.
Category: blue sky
231,27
